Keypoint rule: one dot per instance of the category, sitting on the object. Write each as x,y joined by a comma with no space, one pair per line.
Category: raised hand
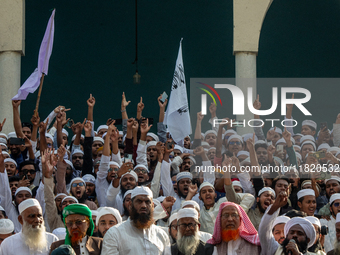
193,189
200,116
27,142
78,127
257,103
287,136
91,101
135,126
160,151
48,163
24,182
337,121
271,150
2,162
168,150
35,120
43,126
140,105
61,152
109,121
126,167
199,151
2,124
250,142
130,122
168,202
162,105
282,199
16,103
271,134
124,103
144,126
212,110
88,127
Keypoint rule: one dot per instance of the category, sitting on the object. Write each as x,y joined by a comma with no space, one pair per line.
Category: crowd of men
68,188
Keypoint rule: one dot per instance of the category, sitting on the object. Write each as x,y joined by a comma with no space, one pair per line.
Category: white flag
177,116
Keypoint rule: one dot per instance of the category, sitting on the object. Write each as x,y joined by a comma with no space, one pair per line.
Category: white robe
331,237
15,245
125,239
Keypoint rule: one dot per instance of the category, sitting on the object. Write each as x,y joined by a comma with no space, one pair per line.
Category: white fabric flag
177,116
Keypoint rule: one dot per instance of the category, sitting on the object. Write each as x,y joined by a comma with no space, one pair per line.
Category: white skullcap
177,147
103,136
245,153
3,144
206,184
249,135
309,142
297,146
6,227
174,217
212,148
229,131
31,202
337,149
187,213
306,183
74,137
141,166
280,220
297,134
277,130
60,233
65,132
235,136
89,178
314,220
298,155
307,138
151,143
48,135
210,132
127,193
203,143
98,139
121,133
72,197
281,140
102,127
5,153
192,159
3,134
78,151
9,160
336,178
266,189
94,212
260,142
154,136
309,123
323,146
1,208
60,194
22,189
108,210
192,203
12,135
114,163
3,140
337,218
183,175
305,192
77,179
133,173
68,162
141,190
334,197
305,224
237,183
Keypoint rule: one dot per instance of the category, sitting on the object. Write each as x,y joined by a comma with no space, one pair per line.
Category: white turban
177,147
305,192
133,173
154,136
114,163
187,213
71,197
305,224
102,127
314,220
11,161
31,202
174,217
206,184
192,203
183,175
141,190
235,136
89,178
267,189
22,189
280,220
6,227
108,210
334,197
98,139
65,132
309,123
151,143
48,135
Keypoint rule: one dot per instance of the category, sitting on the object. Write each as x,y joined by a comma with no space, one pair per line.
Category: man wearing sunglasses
334,207
142,173
78,188
27,171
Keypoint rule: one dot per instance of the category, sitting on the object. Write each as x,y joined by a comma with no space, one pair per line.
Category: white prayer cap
102,127
5,153
31,202
336,178
98,139
69,163
3,140
89,178
229,131
22,189
94,212
187,213
320,130
192,159
305,224
141,166
65,132
249,135
74,137
309,123
133,173
212,148
297,146
114,163
3,144
6,227
280,220
307,138
298,155
77,179
108,210
127,193
206,184
9,160
260,142
306,183
210,132
151,143
323,146
154,136
48,135
236,183
121,133
281,140
337,218
337,149
60,233
1,208
245,153
277,130
235,136
183,175
177,147
204,143
174,217
266,189
297,134
314,220
309,142
334,197
141,190
4,135
305,192
192,203
78,151
71,197
12,135
60,194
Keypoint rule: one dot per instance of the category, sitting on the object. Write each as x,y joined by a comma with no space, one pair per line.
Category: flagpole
39,94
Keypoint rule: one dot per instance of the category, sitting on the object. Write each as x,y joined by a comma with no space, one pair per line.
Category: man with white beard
33,239
188,239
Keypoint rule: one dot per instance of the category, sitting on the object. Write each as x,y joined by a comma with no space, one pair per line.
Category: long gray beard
34,238
188,245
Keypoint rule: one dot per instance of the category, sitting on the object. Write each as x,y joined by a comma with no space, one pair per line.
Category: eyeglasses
233,143
190,225
27,171
78,223
77,157
141,171
227,215
174,227
80,184
112,169
336,204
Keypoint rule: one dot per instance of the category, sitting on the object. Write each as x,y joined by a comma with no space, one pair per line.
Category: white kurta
331,237
125,239
15,245
102,184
